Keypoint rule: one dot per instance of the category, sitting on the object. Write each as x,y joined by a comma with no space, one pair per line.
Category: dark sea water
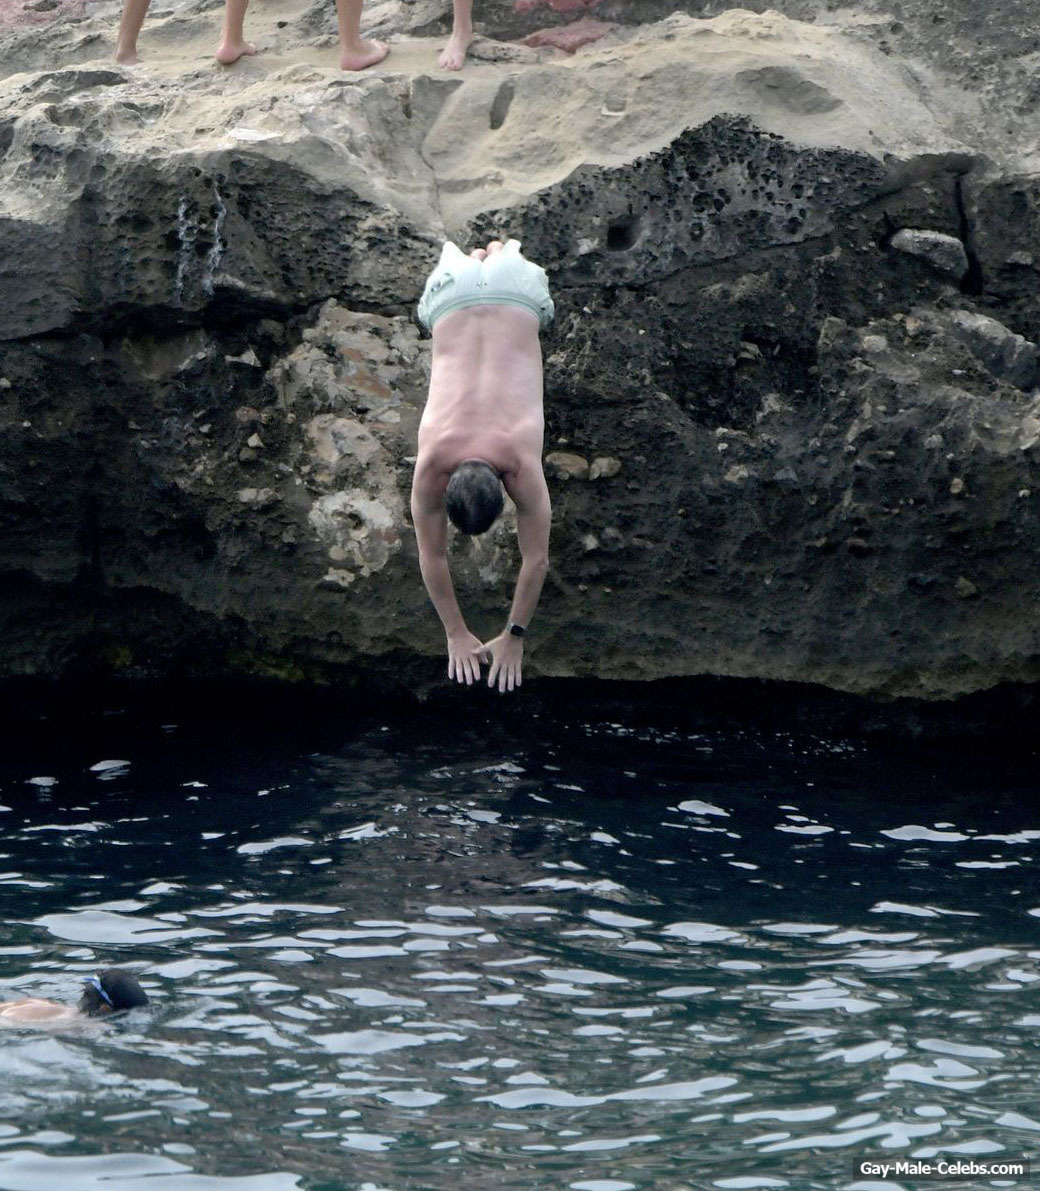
553,953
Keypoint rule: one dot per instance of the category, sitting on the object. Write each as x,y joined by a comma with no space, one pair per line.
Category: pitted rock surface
793,415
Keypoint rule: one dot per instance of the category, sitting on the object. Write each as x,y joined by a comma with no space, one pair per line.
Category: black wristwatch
515,630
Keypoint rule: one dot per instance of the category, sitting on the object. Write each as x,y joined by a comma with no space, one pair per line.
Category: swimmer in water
110,991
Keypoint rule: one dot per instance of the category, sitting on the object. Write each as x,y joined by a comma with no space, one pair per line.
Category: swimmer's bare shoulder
34,1011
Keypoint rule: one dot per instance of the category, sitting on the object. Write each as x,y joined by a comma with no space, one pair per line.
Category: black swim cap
111,991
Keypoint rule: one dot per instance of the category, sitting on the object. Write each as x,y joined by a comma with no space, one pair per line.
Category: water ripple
576,962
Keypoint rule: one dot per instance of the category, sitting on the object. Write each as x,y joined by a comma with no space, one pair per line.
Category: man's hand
463,662
505,653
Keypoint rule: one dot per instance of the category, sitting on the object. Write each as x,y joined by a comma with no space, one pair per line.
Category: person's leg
453,281
454,53
129,26
355,52
512,279
233,44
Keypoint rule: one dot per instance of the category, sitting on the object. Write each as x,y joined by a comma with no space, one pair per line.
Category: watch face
517,630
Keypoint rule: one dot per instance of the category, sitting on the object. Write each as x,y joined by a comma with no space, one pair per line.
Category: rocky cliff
793,390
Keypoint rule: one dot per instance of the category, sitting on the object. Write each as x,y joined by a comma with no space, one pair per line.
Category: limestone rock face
792,390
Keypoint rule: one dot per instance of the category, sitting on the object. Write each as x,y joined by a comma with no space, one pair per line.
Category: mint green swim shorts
504,279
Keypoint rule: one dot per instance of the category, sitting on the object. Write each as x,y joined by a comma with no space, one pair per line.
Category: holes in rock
500,106
622,233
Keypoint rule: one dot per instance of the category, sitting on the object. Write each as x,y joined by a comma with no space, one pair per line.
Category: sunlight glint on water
597,959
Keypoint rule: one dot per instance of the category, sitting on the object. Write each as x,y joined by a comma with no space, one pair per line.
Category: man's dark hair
112,991
473,498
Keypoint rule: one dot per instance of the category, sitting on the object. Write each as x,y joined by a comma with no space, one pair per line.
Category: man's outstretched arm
533,519
431,533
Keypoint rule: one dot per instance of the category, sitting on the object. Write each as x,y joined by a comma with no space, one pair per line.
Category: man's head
473,498
110,992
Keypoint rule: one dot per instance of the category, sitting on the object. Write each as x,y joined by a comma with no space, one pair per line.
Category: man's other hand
505,653
463,660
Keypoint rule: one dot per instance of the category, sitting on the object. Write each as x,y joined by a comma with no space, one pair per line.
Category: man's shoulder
526,483
430,474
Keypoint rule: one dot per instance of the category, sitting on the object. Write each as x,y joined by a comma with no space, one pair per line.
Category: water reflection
599,959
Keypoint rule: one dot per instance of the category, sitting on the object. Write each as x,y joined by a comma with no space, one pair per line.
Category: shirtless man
482,430
111,991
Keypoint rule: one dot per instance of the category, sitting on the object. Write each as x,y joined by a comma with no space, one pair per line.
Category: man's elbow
537,563
432,561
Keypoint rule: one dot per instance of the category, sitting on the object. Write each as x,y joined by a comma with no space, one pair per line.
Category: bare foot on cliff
454,53
230,50
481,254
363,54
134,12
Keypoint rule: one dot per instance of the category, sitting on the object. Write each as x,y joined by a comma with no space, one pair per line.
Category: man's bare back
485,399
484,406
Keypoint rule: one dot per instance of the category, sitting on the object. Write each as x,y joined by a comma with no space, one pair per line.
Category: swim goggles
95,984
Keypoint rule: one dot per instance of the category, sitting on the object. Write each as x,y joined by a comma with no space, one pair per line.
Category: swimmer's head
473,498
110,992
